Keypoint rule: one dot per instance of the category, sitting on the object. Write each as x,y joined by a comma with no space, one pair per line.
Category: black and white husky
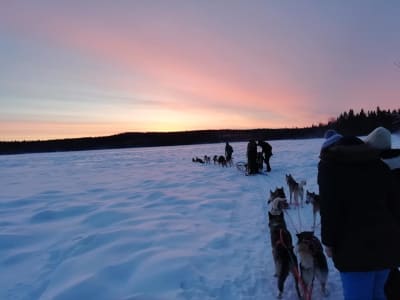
277,201
283,254
312,262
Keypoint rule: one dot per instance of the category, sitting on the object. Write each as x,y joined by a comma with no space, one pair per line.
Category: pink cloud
184,73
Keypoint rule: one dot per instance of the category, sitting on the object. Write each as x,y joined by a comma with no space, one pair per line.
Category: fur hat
380,138
331,137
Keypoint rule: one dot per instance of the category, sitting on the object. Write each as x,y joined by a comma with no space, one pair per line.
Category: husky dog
196,159
313,198
296,189
279,192
222,161
282,251
281,241
207,159
215,159
313,262
277,201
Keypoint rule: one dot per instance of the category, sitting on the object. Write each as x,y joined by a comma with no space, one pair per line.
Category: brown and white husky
312,262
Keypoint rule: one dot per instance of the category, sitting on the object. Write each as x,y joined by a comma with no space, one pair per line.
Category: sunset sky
92,67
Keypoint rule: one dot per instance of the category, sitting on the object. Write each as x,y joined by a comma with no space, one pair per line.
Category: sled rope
291,221
299,217
295,269
307,292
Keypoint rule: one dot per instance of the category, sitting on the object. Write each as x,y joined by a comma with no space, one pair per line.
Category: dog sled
243,168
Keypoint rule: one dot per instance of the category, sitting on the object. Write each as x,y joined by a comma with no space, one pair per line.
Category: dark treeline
361,123
348,123
152,139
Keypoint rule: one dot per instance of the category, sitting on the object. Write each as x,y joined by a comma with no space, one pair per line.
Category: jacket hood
350,154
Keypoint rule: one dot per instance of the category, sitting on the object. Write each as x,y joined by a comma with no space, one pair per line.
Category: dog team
217,159
255,159
221,160
310,262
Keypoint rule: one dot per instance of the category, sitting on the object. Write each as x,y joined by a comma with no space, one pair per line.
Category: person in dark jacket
252,167
358,229
381,139
266,149
228,152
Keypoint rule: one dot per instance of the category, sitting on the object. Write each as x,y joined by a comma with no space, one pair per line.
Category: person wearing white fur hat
381,139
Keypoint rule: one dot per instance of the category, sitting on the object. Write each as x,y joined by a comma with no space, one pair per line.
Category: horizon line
157,132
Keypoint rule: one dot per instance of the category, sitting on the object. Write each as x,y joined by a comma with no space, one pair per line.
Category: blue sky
90,68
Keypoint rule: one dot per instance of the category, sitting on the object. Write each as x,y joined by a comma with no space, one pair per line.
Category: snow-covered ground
146,223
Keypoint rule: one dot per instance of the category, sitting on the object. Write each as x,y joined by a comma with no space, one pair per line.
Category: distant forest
347,123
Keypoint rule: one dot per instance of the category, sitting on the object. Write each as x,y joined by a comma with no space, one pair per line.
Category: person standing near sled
381,140
228,153
359,231
266,149
252,157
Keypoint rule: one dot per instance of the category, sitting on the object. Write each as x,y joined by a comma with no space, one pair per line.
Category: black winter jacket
357,195
392,159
